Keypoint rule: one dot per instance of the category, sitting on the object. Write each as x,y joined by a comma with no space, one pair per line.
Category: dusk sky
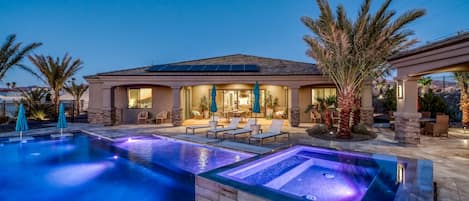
115,34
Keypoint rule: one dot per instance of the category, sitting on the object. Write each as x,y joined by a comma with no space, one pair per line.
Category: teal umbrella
213,105
257,106
21,121
62,122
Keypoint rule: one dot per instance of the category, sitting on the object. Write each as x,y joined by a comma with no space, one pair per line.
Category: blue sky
115,34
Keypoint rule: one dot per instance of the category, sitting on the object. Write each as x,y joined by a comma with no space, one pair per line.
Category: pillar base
366,116
407,127
107,117
176,115
295,117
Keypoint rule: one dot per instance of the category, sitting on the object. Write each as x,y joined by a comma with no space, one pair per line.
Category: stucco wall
162,101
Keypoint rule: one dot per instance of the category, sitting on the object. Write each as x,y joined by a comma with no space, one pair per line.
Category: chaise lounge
275,130
201,126
244,130
232,126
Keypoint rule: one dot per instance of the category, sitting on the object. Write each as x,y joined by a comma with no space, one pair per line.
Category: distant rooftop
237,64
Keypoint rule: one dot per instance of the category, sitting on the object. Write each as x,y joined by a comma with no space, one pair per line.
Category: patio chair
232,126
143,116
275,130
315,116
161,117
440,128
245,130
201,126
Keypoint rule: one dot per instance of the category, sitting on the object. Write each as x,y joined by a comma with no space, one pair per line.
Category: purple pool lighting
183,155
319,174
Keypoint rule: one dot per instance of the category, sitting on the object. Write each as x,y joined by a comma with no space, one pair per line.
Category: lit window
140,98
322,93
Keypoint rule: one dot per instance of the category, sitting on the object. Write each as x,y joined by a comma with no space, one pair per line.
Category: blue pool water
86,168
308,173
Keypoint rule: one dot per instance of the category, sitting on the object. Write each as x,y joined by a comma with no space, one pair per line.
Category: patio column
366,109
407,125
107,119
294,106
176,110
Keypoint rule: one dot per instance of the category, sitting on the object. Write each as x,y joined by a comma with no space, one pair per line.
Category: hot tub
310,173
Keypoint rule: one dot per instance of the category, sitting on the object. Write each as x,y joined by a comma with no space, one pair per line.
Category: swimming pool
89,168
310,173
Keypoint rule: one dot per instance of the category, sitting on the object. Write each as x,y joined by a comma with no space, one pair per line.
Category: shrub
318,129
360,129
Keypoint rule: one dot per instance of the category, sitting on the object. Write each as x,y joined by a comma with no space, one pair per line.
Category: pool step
286,177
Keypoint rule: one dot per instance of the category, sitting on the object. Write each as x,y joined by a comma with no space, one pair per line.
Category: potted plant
271,103
204,107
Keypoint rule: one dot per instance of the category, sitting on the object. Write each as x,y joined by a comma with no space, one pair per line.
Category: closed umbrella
257,106
21,121
213,105
62,122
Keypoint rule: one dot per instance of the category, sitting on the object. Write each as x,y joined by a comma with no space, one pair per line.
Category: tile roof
267,66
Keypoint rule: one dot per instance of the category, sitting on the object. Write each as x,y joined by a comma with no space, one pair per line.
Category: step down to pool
61,135
283,179
197,139
244,147
18,139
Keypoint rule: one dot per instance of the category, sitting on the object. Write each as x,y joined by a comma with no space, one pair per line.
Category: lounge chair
244,130
275,130
161,117
440,128
232,126
143,116
201,126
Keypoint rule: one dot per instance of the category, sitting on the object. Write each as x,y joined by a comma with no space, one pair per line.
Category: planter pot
213,124
206,114
255,128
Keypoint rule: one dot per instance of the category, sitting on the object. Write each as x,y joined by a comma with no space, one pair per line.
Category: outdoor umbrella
213,105
62,122
21,121
257,106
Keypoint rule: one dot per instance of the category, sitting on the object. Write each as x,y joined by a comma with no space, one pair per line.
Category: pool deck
449,155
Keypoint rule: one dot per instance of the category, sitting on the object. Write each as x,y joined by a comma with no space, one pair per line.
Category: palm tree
34,101
11,55
463,81
55,72
77,91
425,83
350,52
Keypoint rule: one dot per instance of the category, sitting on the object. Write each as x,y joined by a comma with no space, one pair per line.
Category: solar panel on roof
223,68
205,68
237,68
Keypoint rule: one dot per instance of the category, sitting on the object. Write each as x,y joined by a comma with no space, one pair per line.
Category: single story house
183,89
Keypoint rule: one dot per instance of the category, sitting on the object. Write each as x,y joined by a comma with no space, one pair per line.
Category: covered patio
447,55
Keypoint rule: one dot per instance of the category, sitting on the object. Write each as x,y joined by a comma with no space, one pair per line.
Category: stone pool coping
213,186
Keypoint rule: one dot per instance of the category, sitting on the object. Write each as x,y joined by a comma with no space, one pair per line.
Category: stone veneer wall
366,116
207,190
407,127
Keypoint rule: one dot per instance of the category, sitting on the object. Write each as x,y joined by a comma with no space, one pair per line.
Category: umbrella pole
21,135
61,131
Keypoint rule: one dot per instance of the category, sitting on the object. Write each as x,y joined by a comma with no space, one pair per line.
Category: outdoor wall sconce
400,92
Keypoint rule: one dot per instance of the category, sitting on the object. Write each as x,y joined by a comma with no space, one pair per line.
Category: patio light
400,92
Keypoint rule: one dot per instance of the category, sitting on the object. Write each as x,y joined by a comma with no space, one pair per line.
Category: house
286,87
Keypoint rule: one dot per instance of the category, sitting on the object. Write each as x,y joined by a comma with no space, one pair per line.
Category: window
140,98
321,93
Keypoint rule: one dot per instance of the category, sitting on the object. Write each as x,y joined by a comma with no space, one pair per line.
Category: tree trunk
327,118
464,102
56,104
345,102
356,111
77,107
